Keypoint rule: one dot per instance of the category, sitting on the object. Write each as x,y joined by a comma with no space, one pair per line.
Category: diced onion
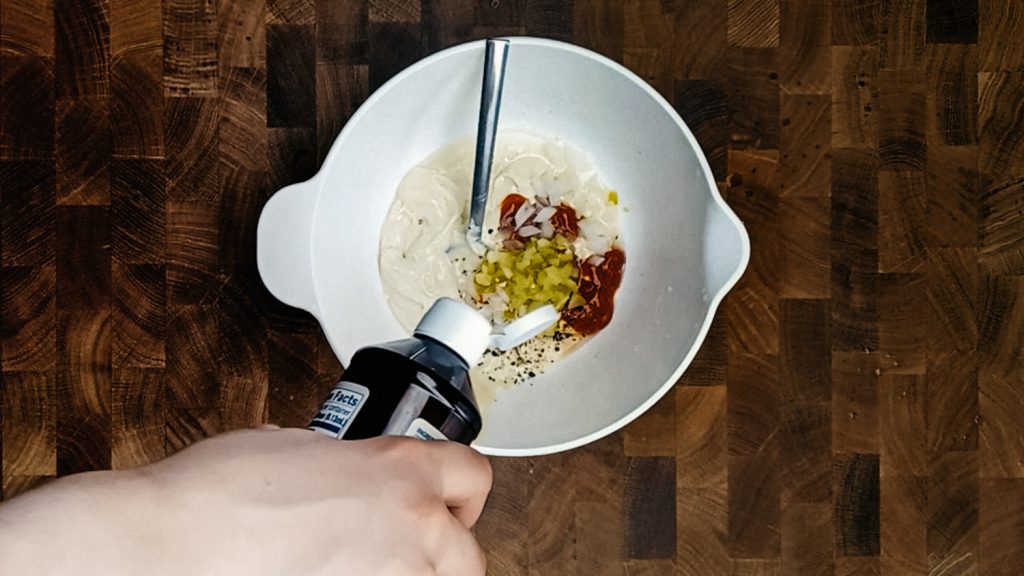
545,214
527,231
547,229
523,214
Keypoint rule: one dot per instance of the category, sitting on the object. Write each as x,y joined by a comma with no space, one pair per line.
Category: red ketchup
565,221
597,286
509,206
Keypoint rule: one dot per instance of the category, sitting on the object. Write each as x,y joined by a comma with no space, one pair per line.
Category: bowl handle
727,248
284,244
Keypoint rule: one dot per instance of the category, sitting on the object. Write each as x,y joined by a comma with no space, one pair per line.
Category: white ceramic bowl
317,241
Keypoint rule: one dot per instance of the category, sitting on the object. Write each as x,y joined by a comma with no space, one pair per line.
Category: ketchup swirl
565,220
597,286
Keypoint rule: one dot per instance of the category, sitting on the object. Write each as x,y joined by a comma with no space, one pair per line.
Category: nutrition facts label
340,409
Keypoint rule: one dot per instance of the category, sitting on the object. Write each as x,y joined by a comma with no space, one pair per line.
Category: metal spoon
495,57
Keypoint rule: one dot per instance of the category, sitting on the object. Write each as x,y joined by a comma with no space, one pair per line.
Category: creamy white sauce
423,251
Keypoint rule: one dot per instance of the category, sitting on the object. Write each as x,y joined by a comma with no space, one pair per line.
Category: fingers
465,480
462,475
459,554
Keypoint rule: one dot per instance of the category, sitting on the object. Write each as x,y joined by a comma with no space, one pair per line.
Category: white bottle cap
457,326
464,330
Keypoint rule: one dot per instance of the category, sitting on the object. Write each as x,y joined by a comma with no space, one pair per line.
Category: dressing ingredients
553,231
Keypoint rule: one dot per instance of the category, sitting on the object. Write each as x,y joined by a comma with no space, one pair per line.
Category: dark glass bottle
414,387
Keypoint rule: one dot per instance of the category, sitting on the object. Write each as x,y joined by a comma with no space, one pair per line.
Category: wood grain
28,304
340,88
999,23
291,12
902,205
901,120
191,140
856,500
1002,504
807,539
654,433
550,514
854,250
81,48
952,497
601,508
952,22
82,134
139,316
805,54
951,210
138,211
242,147
856,22
903,522
28,28
27,220
291,75
903,34
83,297
953,92
650,508
192,258
30,425
27,116
856,406
136,93
902,422
804,135
902,323
855,377
803,261
854,97
241,34
137,421
190,48
503,531
753,23
700,39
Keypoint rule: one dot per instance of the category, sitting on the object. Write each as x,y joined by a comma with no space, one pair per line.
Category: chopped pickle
542,272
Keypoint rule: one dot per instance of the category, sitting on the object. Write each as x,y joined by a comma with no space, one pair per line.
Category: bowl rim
718,203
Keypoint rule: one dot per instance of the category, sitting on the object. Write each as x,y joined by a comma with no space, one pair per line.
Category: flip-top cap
464,330
457,326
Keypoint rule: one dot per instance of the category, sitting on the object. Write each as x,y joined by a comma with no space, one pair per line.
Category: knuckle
401,449
486,471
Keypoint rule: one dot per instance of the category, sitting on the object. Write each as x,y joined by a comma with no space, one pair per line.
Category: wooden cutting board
858,407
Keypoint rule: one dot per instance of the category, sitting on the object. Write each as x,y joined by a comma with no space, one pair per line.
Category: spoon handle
495,57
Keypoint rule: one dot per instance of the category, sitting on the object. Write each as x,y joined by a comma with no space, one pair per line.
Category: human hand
271,502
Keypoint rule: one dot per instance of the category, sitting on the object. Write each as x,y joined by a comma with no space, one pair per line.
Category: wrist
96,522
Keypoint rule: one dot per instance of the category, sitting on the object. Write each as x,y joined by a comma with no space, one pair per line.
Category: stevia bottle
420,386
